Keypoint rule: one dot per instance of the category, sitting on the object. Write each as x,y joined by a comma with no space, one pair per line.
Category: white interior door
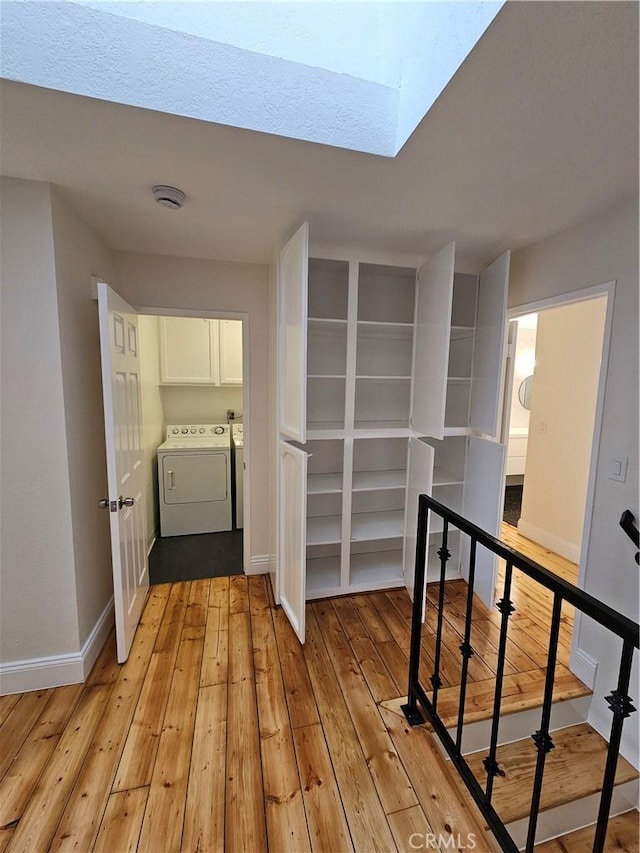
483,505
292,534
434,294
419,482
293,276
125,470
487,385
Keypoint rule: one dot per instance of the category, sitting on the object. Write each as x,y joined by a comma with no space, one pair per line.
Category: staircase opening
517,784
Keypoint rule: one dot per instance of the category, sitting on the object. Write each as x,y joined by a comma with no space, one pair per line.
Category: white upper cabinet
230,332
195,351
434,294
489,348
189,351
293,272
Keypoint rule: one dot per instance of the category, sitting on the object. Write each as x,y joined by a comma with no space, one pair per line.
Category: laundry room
193,435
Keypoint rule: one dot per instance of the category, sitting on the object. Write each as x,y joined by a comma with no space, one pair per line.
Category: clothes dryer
194,479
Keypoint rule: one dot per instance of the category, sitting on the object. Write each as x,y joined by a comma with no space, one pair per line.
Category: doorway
195,415
564,398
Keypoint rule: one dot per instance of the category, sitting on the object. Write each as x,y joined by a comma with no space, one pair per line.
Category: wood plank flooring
221,732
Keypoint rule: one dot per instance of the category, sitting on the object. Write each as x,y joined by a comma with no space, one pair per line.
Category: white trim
97,638
244,316
584,667
151,542
607,289
339,253
549,540
56,671
561,299
260,564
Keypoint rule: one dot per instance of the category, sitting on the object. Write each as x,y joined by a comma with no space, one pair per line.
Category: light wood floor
222,733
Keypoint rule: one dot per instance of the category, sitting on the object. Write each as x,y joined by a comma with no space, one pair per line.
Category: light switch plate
618,468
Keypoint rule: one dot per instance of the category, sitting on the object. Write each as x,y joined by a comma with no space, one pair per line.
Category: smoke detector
168,196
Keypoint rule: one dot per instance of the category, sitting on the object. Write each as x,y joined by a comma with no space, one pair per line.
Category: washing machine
237,435
194,479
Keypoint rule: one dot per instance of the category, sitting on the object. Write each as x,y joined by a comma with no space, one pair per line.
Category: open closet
390,383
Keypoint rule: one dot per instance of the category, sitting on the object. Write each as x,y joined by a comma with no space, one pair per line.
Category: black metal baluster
465,648
620,704
505,606
411,712
541,738
444,555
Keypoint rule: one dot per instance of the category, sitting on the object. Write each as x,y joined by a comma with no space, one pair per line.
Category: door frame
208,314
580,663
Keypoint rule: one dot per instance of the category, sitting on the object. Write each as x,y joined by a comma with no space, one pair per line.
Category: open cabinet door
292,284
125,470
292,534
419,482
434,294
483,505
489,348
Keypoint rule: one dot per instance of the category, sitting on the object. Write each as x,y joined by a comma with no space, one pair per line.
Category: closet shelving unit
390,355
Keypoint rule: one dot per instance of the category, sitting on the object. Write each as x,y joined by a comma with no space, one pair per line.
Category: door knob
103,503
125,501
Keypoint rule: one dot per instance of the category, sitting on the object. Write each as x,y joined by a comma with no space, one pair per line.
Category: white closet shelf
461,331
380,377
367,526
324,484
376,570
323,574
381,429
453,431
322,426
366,481
324,530
370,329
374,325
326,376
459,379
325,324
446,478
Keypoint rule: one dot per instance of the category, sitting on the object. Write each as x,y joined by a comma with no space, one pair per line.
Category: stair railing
418,701
628,524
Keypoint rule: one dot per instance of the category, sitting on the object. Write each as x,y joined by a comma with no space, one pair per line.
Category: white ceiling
537,130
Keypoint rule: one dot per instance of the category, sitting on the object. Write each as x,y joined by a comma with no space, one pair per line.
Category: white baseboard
259,564
549,540
152,541
40,673
584,667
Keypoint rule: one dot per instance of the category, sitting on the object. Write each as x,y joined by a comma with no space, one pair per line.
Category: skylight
357,75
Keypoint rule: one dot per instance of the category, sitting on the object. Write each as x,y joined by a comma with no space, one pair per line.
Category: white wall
188,404
565,389
38,614
186,283
597,251
524,363
79,255
153,421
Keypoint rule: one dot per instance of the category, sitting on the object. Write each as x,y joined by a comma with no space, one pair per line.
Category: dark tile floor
512,504
187,558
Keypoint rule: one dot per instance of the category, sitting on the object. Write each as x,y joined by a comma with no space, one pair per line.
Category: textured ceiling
537,130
